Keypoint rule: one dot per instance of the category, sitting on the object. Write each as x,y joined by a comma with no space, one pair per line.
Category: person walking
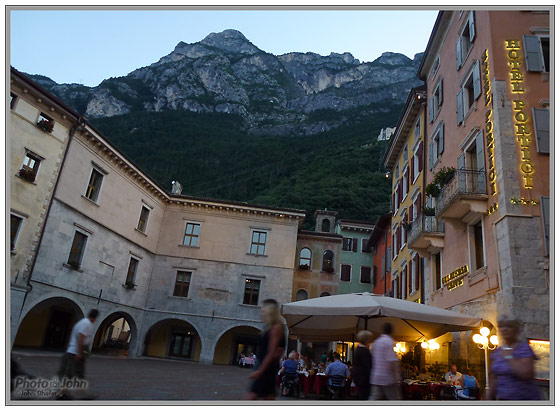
385,374
74,359
361,369
269,351
512,374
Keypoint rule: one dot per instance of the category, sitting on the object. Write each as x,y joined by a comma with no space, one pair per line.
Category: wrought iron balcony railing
464,182
424,224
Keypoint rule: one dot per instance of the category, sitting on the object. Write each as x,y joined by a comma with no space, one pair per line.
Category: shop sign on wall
455,279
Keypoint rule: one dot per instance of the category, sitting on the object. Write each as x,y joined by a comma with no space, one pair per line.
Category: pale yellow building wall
31,200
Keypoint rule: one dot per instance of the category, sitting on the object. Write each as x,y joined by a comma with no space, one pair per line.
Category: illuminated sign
492,208
455,279
489,124
520,117
524,201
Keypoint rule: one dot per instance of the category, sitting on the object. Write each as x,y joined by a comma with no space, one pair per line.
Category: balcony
426,234
463,198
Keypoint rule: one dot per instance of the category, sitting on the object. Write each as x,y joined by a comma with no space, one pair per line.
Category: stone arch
115,337
173,337
234,340
48,323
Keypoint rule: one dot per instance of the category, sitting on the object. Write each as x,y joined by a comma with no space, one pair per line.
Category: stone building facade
487,77
187,274
39,129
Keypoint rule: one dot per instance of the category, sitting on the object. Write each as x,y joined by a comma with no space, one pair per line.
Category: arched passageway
173,338
234,342
115,335
48,324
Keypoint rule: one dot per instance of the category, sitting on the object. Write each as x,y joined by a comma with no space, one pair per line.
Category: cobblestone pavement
119,378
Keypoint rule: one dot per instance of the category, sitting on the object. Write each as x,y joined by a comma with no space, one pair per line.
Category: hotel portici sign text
489,127
455,279
520,117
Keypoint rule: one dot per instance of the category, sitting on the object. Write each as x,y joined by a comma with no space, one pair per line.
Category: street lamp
400,349
431,345
485,343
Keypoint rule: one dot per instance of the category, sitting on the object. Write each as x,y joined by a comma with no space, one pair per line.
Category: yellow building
39,130
405,159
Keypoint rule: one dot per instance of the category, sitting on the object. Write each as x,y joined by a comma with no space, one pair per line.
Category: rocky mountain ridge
289,94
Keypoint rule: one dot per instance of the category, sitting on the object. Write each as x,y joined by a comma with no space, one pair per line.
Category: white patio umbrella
340,317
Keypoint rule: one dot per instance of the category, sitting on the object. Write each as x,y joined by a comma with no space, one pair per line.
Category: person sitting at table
337,372
453,375
242,360
289,369
470,385
406,372
424,375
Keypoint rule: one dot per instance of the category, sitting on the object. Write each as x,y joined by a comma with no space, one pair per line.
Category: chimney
176,187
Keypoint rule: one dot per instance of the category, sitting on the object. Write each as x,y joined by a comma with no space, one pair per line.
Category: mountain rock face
294,93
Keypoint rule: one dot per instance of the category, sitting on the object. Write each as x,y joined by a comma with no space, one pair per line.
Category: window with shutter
476,80
471,26
345,272
545,211
417,271
533,53
459,56
411,288
432,107
431,153
460,107
440,139
354,245
365,275
420,157
541,120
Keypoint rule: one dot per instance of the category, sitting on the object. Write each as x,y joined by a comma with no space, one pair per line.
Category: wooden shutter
476,80
421,156
417,273
405,235
412,169
345,272
480,151
354,245
545,211
542,129
440,142
440,95
533,53
400,190
410,274
410,213
399,286
459,56
461,162
365,275
431,114
471,26
405,282
417,205
460,107
431,153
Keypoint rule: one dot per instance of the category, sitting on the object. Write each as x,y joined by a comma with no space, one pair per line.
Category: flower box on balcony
45,125
27,175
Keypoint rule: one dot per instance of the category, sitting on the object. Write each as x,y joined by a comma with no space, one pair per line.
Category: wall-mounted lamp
387,174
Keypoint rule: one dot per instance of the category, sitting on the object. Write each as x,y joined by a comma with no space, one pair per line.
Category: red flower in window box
45,125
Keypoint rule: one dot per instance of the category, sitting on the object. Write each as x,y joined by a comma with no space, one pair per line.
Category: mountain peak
393,59
230,40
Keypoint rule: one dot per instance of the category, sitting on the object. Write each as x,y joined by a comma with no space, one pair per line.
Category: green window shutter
545,211
460,107
476,80
461,162
440,96
459,56
541,120
431,155
533,53
471,26
480,151
432,109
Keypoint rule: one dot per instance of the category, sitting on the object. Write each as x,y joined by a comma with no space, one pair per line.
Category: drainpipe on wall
79,125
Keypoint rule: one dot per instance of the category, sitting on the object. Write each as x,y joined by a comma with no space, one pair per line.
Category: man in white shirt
74,359
386,370
453,375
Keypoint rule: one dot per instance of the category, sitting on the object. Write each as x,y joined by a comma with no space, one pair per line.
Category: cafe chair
290,385
448,392
468,393
336,387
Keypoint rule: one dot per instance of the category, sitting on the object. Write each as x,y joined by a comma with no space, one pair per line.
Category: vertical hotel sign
520,116
489,123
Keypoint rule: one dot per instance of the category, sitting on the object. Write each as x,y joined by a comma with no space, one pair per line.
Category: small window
417,130
365,275
258,243
131,274
45,123
182,283
325,294
545,46
305,259
466,40
30,167
347,244
301,295
94,185
326,226
435,67
15,226
345,272
365,247
328,261
143,221
192,231
251,295
478,238
437,270
77,250
405,153
13,100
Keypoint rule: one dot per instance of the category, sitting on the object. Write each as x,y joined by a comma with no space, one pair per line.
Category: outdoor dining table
418,390
247,361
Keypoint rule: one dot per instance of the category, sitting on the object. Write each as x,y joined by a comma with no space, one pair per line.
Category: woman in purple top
513,366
